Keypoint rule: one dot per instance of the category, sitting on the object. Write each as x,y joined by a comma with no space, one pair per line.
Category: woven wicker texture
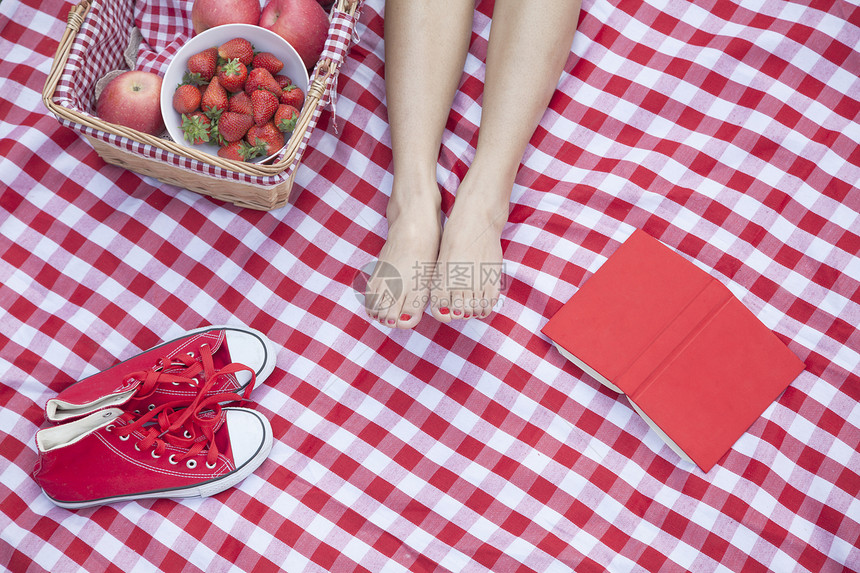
94,44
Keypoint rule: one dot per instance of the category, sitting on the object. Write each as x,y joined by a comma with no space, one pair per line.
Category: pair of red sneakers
155,425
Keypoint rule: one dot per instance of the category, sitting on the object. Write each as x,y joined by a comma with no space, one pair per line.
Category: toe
473,305
458,309
389,316
381,308
411,310
375,299
406,320
440,306
485,306
370,305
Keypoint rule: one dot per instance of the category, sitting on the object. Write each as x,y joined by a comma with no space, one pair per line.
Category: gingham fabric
728,130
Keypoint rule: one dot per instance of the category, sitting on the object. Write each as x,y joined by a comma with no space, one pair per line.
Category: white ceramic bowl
262,39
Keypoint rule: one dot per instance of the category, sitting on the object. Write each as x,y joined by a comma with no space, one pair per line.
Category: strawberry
283,80
238,48
292,95
261,79
203,63
240,103
267,136
233,126
196,128
232,75
265,104
239,151
268,61
186,98
214,98
286,117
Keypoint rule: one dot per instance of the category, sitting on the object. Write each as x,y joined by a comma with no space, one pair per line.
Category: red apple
132,99
302,23
207,14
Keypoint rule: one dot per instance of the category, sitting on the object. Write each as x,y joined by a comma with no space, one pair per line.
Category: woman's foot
469,266
399,288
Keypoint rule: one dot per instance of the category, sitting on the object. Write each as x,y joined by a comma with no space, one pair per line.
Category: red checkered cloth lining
164,27
341,36
97,50
728,130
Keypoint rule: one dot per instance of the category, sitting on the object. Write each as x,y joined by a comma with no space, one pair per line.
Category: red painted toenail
405,316
457,312
391,321
444,311
467,316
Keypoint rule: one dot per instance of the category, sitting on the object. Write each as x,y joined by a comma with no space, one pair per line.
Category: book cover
695,363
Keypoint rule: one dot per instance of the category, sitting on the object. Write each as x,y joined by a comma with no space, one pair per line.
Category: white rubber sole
268,365
57,411
204,489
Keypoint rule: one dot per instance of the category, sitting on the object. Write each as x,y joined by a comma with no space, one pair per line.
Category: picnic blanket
728,130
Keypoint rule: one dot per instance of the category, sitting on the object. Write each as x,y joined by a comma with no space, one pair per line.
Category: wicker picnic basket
94,43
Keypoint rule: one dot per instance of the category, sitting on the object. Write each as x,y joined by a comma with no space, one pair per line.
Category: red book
695,363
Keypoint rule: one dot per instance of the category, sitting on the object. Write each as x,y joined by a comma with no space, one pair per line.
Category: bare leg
425,49
529,45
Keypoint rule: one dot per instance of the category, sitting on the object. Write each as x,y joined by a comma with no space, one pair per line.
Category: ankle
487,187
490,170
414,200
483,203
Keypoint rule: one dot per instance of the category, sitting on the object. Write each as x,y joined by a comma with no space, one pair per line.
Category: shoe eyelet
109,428
191,464
186,434
123,437
172,459
137,411
137,447
196,380
151,407
191,354
154,455
212,467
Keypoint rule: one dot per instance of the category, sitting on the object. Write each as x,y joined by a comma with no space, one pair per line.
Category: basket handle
328,66
74,21
325,70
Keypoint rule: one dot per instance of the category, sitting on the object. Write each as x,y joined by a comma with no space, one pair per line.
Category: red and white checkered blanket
728,130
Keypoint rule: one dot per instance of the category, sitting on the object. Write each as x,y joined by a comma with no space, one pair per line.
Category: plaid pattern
97,50
341,35
165,25
728,130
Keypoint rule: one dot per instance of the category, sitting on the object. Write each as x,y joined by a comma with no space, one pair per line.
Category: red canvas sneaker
213,359
179,449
